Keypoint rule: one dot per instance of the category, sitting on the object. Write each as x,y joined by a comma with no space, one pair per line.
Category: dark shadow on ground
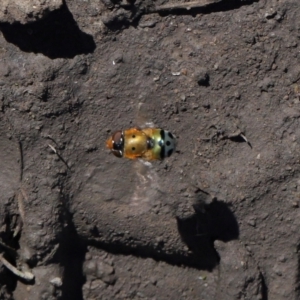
55,36
158,254
265,291
211,221
71,256
298,270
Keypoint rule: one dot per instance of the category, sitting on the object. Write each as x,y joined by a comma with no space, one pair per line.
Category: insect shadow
210,221
56,36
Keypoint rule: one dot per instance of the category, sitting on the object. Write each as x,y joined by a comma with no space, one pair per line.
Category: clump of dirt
24,11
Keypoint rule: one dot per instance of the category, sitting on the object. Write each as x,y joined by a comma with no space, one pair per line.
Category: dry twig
237,134
28,276
59,156
8,247
185,5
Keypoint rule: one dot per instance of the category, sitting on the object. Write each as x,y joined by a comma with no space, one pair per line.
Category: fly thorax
150,143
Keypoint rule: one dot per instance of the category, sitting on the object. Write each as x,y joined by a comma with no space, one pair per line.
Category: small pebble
201,76
251,222
57,282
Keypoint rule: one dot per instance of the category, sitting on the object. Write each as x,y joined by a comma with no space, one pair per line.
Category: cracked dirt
219,219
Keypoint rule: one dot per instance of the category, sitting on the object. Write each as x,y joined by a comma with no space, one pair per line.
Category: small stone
89,267
278,17
97,285
57,282
159,240
88,255
117,57
277,271
237,95
202,77
110,279
153,280
251,222
140,294
270,14
108,3
183,97
265,84
282,258
184,72
105,272
286,97
27,253
249,249
195,106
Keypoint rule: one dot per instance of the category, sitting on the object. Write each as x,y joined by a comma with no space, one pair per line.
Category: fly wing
147,193
145,115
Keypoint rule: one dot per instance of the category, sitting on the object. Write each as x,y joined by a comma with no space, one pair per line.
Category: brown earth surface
219,219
